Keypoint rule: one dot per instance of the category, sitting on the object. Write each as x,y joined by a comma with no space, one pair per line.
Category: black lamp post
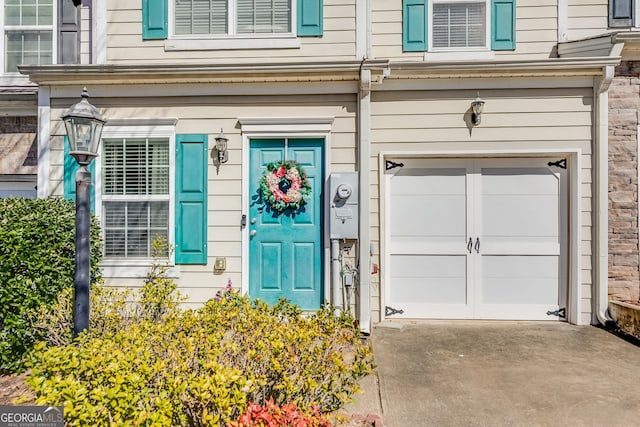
84,127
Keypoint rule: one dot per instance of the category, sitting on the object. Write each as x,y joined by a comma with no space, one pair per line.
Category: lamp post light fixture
84,127
476,107
221,147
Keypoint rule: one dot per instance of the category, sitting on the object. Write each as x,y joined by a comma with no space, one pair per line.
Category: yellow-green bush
168,366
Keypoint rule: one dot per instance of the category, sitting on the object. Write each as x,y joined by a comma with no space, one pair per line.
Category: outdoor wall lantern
84,127
221,147
476,107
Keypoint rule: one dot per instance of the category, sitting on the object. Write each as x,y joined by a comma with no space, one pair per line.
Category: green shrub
37,261
168,366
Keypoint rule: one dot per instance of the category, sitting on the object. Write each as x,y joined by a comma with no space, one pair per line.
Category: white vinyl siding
135,197
536,30
124,43
513,120
459,24
28,33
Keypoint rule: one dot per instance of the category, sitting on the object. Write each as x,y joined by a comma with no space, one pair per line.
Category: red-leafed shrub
273,415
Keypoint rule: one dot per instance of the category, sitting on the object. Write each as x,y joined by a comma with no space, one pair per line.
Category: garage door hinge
562,313
562,164
391,165
390,311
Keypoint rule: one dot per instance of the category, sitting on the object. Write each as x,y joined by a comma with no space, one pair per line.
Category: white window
27,32
232,17
459,24
135,195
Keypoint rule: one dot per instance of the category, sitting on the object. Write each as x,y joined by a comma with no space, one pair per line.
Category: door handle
253,233
469,245
477,245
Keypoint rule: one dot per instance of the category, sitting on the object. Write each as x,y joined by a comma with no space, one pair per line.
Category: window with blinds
28,33
193,17
135,195
459,24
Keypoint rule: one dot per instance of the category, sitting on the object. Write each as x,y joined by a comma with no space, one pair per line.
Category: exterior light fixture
476,107
221,147
84,127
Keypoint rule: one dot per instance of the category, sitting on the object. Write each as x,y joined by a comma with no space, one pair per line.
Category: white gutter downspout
601,236
364,167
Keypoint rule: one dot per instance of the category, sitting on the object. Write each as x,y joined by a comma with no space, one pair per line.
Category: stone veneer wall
624,111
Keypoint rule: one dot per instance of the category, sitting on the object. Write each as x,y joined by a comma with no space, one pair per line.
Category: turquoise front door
285,249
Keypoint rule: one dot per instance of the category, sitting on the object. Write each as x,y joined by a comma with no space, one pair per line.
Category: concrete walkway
462,373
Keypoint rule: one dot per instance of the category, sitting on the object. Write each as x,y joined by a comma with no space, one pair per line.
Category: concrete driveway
463,373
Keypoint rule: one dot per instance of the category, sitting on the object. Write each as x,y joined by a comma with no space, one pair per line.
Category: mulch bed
13,387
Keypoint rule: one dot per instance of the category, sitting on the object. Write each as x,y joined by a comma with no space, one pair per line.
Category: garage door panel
519,280
437,279
438,216
520,217
521,180
476,238
429,204
436,180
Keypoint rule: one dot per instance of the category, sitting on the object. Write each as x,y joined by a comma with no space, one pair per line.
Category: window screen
458,24
213,17
135,195
28,37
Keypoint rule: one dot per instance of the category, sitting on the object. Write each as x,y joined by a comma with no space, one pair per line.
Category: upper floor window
28,28
231,24
459,24
445,25
215,17
623,13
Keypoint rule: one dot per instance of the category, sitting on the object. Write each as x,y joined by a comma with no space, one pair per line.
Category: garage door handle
470,245
477,245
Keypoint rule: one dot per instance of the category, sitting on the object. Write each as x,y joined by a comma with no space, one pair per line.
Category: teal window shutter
414,25
309,17
503,24
70,168
155,19
191,199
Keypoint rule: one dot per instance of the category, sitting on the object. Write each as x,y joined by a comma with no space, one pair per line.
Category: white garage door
476,239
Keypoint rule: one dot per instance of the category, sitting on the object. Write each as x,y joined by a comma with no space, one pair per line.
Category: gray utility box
344,220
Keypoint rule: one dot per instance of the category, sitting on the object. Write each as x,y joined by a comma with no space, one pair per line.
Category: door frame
280,128
574,252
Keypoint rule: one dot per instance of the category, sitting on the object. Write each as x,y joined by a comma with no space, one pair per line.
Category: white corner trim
99,32
44,138
563,21
364,167
290,41
362,29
